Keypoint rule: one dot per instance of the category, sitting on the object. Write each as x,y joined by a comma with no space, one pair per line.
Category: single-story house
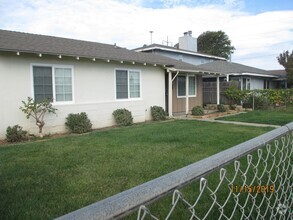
89,77
248,78
186,51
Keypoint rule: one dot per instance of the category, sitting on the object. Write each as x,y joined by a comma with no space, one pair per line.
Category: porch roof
230,68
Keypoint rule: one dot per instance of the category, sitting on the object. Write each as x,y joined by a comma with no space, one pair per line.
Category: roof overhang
252,74
78,57
178,51
198,72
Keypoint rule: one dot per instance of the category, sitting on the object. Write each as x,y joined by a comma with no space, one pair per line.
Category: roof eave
177,50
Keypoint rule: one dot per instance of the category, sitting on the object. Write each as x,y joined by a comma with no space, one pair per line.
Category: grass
275,117
46,179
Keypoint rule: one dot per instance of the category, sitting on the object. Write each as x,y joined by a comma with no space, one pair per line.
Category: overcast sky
259,29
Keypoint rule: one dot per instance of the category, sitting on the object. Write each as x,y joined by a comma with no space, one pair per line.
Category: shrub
222,108
198,110
259,102
15,134
123,117
78,123
233,107
235,95
158,113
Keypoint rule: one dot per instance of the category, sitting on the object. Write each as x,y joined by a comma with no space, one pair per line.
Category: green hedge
267,98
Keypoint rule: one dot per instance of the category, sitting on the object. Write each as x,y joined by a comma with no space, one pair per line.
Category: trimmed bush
222,108
158,113
233,107
78,123
123,117
198,110
15,134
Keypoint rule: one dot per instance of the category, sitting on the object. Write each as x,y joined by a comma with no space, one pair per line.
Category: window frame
128,85
187,77
54,66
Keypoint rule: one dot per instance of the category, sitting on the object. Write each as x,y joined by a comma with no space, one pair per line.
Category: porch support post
170,91
218,90
186,95
227,77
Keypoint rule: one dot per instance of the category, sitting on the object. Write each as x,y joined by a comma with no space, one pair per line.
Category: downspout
170,91
218,90
186,95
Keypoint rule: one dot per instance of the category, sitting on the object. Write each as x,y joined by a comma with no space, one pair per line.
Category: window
246,83
266,84
127,84
63,84
53,82
43,85
182,86
192,86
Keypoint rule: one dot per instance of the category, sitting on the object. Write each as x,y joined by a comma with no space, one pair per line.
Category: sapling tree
38,110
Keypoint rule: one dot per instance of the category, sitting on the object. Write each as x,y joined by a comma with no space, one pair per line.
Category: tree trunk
41,131
40,124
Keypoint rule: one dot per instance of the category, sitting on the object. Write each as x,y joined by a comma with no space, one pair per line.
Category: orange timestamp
252,189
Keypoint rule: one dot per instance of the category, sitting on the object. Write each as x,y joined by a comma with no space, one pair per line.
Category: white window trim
53,66
187,90
128,88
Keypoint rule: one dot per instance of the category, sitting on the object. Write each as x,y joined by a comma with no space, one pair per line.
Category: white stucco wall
94,88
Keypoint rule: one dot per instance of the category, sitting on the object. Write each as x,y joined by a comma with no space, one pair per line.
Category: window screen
43,86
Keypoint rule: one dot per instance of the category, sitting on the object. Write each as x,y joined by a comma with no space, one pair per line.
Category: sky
259,29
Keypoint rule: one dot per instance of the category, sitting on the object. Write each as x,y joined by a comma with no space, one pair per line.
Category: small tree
286,60
37,110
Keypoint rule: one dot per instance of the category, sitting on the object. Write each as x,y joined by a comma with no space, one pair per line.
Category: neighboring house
248,77
281,81
185,51
89,77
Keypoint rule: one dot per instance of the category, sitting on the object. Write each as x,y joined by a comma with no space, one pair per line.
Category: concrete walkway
213,119
238,123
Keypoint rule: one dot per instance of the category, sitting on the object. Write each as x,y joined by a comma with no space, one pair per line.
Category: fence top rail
125,202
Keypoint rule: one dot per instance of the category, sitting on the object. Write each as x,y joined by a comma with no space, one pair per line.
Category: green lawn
275,117
46,179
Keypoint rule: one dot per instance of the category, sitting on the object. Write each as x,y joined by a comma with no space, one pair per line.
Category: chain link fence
253,180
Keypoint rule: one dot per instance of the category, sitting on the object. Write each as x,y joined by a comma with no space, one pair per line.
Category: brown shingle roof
33,43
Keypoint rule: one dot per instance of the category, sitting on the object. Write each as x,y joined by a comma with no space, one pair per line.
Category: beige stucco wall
94,88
